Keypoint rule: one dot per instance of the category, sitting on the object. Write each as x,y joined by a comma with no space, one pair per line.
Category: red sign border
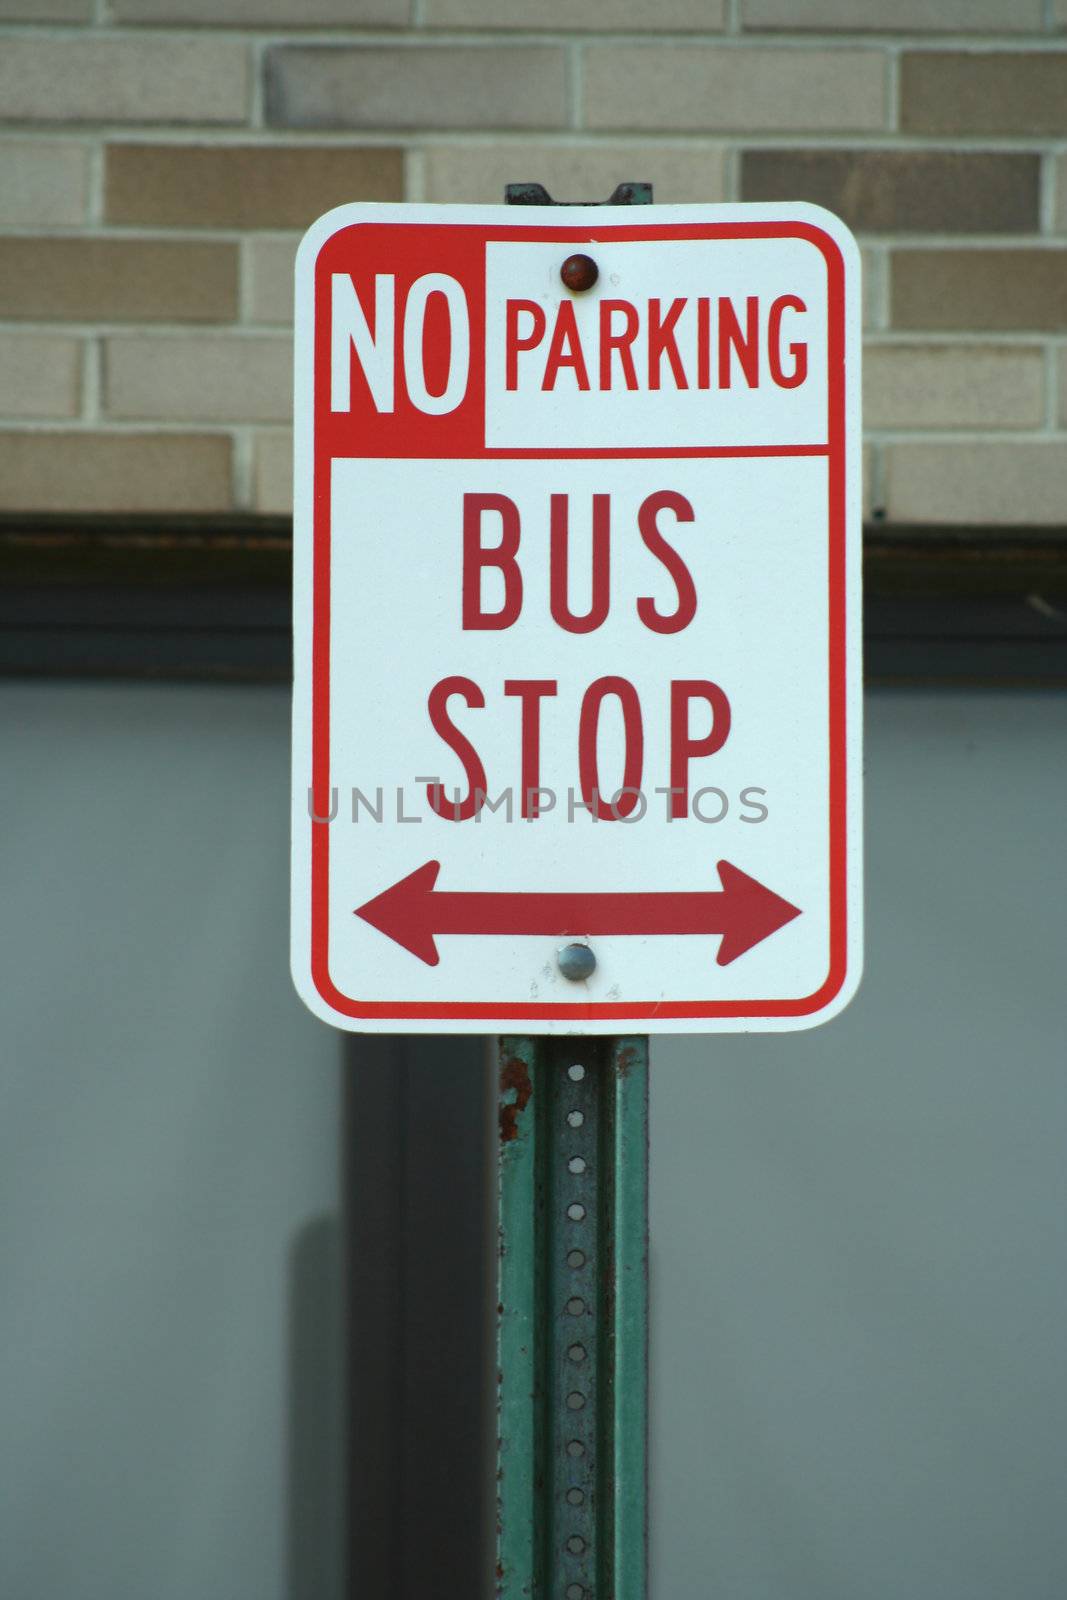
588,1011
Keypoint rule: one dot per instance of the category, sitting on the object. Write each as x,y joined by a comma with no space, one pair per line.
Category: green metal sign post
572,1330
572,1301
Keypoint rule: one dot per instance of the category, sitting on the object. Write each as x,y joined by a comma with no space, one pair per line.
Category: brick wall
158,159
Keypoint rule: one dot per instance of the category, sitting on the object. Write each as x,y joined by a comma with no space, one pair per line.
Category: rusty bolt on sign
579,272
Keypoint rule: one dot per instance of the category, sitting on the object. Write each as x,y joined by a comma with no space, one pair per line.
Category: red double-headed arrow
414,913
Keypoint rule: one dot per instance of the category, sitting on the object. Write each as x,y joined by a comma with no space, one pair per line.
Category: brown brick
887,191
623,16
40,375
243,186
453,86
117,280
152,79
198,378
984,92
270,13
43,184
272,472
573,172
114,472
953,386
902,16
1003,483
704,86
979,289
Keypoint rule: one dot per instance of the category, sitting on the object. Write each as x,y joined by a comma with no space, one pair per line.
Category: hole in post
575,1119
575,1258
576,1073
575,1401
575,1305
575,1448
575,1545
575,1497
576,1212
576,1164
577,1352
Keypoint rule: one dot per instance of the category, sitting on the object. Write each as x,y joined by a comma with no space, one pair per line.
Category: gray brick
1061,191
198,378
946,92
964,484
573,172
901,16
152,79
269,265
622,16
272,472
708,87
243,186
268,13
46,10
979,289
456,86
114,472
43,184
117,280
914,387
40,375
886,191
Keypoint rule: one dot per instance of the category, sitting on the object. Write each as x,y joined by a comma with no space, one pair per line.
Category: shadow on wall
315,1447
417,1373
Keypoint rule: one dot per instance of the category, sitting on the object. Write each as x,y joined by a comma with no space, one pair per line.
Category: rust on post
515,1080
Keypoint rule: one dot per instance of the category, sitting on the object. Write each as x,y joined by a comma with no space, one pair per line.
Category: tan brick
979,483
198,378
243,186
979,289
118,280
453,86
46,10
885,191
272,477
708,87
902,16
167,78
623,16
573,172
270,13
269,281
43,184
984,92
40,375
952,386
114,472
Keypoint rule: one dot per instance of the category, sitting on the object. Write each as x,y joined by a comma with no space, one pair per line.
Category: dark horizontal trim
209,598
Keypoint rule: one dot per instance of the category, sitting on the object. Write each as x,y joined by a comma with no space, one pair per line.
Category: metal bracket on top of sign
572,1312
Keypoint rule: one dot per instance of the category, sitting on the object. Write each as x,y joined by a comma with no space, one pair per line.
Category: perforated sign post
576,729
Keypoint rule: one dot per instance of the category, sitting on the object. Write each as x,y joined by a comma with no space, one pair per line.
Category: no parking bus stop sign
577,619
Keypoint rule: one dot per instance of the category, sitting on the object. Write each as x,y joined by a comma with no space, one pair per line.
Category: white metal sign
577,619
